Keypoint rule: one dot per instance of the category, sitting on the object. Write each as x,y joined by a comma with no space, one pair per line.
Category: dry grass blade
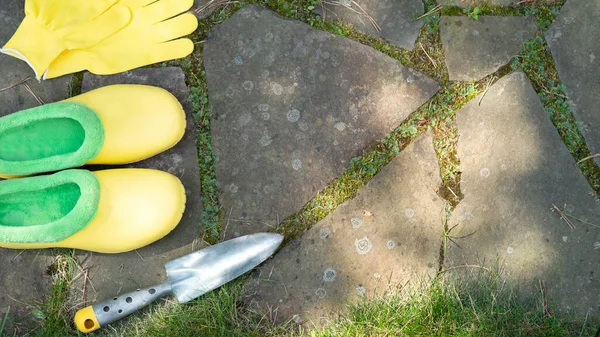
544,298
361,12
365,13
434,65
580,220
15,84
37,98
433,10
214,3
337,3
564,217
588,158
466,266
487,87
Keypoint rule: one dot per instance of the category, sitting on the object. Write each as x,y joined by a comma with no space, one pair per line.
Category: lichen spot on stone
293,115
329,275
340,126
238,60
248,85
484,172
320,293
265,140
233,188
391,244
296,164
324,233
277,88
245,119
409,212
510,250
363,246
356,222
361,290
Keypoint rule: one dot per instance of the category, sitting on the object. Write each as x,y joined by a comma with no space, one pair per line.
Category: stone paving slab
112,274
573,40
389,234
292,106
23,281
514,168
474,49
395,19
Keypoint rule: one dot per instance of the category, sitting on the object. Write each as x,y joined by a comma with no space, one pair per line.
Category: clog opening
39,207
41,139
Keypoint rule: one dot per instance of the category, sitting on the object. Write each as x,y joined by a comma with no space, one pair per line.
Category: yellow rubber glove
151,37
53,26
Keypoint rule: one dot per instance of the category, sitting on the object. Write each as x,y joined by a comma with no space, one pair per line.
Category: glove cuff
35,44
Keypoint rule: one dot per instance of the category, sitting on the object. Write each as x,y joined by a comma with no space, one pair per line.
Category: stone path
293,105
281,92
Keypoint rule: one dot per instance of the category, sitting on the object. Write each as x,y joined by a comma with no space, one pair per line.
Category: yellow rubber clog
117,124
109,211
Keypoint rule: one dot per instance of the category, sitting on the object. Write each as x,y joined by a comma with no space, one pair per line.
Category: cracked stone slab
292,106
395,19
112,274
23,281
390,233
475,49
514,169
573,40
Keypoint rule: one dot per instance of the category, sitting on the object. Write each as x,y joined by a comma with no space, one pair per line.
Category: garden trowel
188,277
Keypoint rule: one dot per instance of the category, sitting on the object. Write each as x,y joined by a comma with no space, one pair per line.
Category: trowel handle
95,316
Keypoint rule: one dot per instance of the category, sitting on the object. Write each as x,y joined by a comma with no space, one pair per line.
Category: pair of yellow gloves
59,37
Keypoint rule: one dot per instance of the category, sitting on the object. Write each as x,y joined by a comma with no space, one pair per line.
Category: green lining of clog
48,138
47,209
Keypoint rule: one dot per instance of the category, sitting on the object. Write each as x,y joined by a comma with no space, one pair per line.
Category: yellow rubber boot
117,124
110,211
139,121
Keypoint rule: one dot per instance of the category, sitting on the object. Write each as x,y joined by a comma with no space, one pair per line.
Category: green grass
463,304
54,317
473,305
478,305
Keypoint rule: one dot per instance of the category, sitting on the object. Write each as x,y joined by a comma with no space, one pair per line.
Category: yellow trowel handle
95,316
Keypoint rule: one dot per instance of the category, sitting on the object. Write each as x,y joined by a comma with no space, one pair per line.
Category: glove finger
90,33
118,63
166,9
136,4
177,27
109,63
